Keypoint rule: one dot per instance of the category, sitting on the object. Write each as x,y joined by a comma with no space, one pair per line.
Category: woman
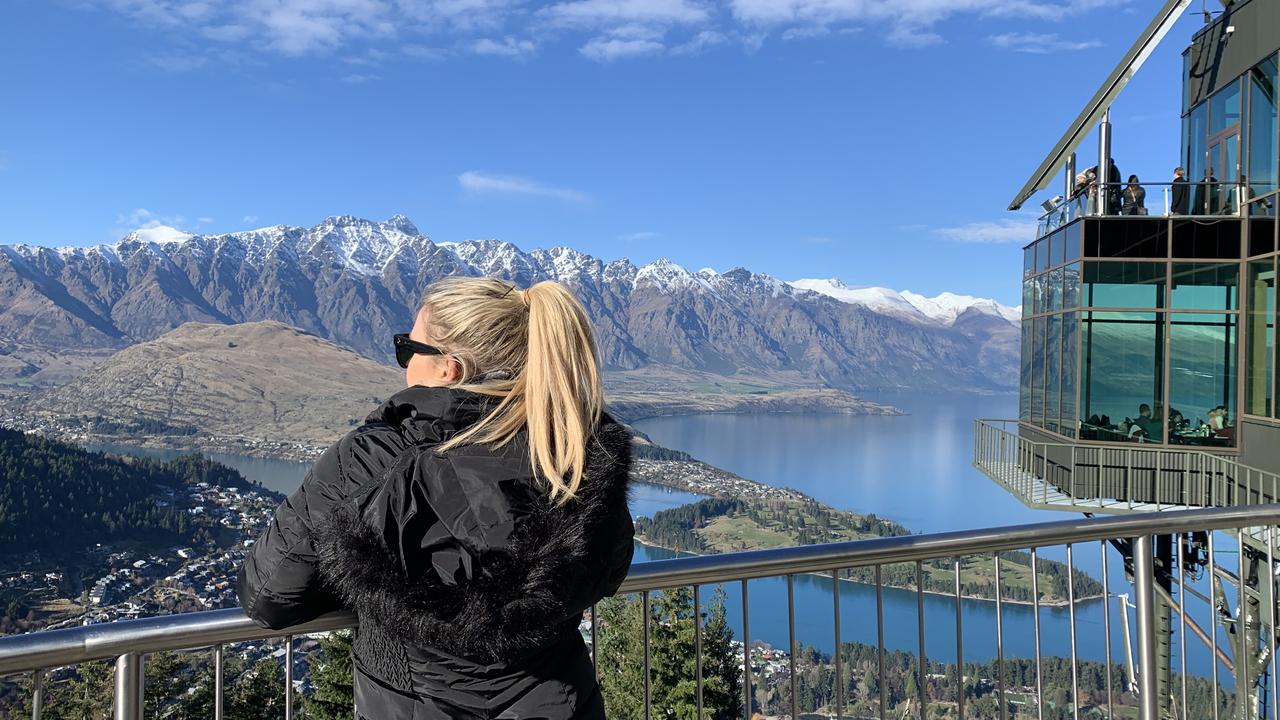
1134,198
470,521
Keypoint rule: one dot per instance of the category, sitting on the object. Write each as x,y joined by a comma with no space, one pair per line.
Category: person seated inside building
1219,424
1152,427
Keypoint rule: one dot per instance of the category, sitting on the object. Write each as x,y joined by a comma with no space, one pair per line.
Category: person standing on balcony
1113,186
1181,197
1134,198
470,521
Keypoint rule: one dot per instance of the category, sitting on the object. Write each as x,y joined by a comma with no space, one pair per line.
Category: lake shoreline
1052,605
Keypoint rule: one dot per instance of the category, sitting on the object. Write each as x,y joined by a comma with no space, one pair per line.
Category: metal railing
1120,477
128,642
1204,199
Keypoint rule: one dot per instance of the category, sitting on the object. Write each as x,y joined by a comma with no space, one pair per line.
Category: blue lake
915,469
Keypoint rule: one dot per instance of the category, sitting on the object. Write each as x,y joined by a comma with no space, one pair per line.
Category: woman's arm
279,584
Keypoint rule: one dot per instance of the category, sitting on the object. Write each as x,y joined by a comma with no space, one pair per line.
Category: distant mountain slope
356,281
265,380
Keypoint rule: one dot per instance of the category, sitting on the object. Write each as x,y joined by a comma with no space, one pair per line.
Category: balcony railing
1205,199
1106,478
1147,685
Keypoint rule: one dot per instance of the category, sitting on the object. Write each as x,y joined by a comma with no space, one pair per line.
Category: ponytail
542,339
563,393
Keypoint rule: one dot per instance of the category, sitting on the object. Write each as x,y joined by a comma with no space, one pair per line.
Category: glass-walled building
1158,327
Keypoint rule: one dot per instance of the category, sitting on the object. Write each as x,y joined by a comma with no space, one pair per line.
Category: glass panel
1196,147
1206,238
1233,180
1055,249
1071,286
1028,297
1055,290
1042,255
1037,371
1122,376
1070,323
1024,385
1053,373
1260,335
1127,237
1262,128
1038,284
1262,236
1224,108
1204,286
1124,284
1071,241
1029,261
1202,379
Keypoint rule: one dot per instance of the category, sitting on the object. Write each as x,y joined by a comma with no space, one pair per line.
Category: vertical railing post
288,677
1144,589
37,694
218,689
128,687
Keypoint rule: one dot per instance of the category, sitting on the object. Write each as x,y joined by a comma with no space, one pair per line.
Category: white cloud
1000,231
204,221
1040,43
506,47
364,32
249,219
597,14
638,236
478,182
700,43
606,49
359,78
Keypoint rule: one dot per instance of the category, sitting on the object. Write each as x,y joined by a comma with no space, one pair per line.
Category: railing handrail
69,646
1144,447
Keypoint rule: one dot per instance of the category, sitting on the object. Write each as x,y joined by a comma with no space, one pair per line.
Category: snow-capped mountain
357,281
945,308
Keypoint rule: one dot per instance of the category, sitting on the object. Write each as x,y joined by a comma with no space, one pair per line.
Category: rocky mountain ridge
356,281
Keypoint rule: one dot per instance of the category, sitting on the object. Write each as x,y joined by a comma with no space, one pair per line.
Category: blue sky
876,141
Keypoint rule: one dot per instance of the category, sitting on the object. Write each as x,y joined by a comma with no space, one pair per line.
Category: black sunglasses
406,348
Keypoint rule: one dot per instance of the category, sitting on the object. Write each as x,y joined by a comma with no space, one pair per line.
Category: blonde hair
542,340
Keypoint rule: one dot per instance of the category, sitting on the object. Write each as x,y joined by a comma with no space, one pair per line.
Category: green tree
331,674
673,668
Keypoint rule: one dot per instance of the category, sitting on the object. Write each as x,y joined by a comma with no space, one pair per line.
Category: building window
1262,128
1024,386
1260,346
1202,379
1124,284
1053,373
1055,290
1196,150
1121,372
1038,327
1070,369
1071,286
1203,286
1224,108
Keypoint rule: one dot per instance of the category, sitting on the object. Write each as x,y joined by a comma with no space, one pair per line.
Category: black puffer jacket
468,582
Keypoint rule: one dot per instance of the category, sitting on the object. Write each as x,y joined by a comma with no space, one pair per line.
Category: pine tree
332,674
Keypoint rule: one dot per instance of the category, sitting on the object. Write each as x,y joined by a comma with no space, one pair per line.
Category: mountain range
356,281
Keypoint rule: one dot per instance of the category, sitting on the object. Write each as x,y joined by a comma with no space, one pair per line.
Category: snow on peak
948,306
876,298
943,309
159,234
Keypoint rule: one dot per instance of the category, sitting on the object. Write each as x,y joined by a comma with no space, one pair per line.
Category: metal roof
1093,112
